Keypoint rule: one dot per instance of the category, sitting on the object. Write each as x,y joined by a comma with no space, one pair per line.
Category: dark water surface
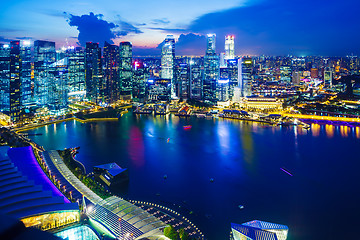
320,201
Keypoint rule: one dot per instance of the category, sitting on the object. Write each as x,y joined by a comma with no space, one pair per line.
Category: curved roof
122,217
27,192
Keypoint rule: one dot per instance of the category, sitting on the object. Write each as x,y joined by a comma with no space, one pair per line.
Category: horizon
261,27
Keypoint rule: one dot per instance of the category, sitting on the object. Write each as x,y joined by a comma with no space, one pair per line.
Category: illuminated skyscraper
112,81
125,68
171,40
140,77
328,76
44,56
15,81
222,90
182,75
93,71
167,62
196,79
26,65
245,76
211,71
296,77
229,47
76,73
58,86
211,43
4,78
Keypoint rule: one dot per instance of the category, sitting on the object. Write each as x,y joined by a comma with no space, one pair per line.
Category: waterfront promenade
72,179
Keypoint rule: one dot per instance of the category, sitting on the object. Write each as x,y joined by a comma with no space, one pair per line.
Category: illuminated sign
150,81
248,62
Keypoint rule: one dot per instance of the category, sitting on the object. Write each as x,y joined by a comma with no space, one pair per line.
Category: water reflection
315,129
329,130
136,146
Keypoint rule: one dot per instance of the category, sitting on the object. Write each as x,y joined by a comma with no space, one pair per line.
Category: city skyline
260,27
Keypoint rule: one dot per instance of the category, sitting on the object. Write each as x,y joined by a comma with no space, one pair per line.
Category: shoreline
27,128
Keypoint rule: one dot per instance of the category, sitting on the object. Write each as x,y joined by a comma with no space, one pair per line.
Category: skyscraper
211,71
4,78
26,65
171,40
328,76
58,87
211,43
182,75
112,81
167,62
93,71
196,79
15,82
125,68
44,56
245,78
76,73
229,47
141,75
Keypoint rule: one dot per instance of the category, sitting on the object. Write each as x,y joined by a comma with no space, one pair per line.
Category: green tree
183,234
171,233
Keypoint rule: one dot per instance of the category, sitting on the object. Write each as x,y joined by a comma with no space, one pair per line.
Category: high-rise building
285,73
44,56
230,72
4,78
93,71
26,68
58,86
296,77
167,62
15,81
328,76
314,73
171,40
76,73
125,68
111,65
222,90
211,71
140,77
211,43
223,62
229,47
196,79
245,76
183,90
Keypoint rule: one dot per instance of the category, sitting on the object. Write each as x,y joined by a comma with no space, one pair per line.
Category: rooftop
112,168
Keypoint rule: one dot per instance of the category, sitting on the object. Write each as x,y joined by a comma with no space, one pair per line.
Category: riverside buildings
47,80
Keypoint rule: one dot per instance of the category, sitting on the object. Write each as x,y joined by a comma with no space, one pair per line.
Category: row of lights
168,209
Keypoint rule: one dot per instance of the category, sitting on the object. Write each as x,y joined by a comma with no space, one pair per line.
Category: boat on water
241,206
187,127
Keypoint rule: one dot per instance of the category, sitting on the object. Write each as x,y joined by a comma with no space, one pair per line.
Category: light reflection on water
244,159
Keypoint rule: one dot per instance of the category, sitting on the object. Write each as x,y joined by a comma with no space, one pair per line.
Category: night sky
271,27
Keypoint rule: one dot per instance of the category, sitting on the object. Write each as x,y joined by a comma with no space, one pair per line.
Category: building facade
125,68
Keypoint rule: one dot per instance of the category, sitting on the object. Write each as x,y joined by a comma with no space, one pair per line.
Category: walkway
72,179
